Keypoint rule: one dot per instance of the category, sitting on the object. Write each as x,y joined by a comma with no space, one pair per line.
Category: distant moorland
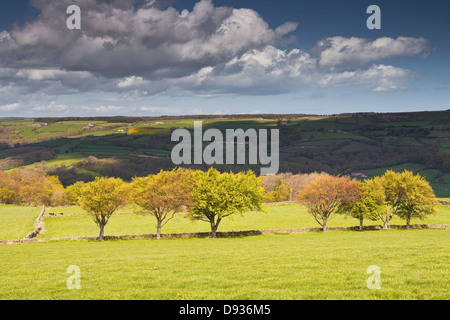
360,144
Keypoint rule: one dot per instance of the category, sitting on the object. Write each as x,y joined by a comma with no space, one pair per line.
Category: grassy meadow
16,221
413,263
290,216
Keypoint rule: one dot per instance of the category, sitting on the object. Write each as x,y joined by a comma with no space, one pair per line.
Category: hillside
360,144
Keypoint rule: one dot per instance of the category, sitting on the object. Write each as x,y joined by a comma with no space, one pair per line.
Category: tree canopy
101,198
219,195
324,195
163,195
364,206
31,188
418,197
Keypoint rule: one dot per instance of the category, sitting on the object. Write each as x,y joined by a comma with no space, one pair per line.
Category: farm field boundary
230,233
38,225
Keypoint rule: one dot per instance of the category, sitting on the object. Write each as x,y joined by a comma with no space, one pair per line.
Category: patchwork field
339,144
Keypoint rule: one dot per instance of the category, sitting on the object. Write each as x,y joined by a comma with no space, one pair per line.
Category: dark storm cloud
118,39
148,47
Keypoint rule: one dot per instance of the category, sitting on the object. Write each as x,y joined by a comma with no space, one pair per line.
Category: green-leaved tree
387,192
219,195
364,206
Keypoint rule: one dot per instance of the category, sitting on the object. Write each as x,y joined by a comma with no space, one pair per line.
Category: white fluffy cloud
271,71
144,48
336,51
378,78
103,109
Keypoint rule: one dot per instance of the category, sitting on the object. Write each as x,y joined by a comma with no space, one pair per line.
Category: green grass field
16,222
313,265
413,263
290,216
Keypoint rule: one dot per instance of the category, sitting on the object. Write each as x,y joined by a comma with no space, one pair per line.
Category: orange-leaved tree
324,195
163,195
30,187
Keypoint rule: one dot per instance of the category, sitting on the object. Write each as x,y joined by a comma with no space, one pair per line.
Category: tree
324,195
101,198
6,196
275,193
376,189
285,186
364,207
298,181
73,192
163,195
31,187
269,182
402,194
418,197
219,195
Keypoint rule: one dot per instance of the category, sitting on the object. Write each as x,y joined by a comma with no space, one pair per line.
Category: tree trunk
324,225
214,226
386,222
213,231
102,227
388,218
158,230
408,223
361,223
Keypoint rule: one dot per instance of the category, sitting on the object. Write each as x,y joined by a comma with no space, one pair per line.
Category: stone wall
231,233
38,227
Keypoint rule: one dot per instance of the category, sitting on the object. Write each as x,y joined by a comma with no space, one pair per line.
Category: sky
188,57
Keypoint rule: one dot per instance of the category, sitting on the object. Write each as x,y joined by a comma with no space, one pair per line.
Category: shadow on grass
231,234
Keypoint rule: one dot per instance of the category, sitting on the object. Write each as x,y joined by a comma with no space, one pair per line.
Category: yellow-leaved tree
403,194
418,200
101,198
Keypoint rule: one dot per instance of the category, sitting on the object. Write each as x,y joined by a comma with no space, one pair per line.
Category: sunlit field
291,216
414,264
16,221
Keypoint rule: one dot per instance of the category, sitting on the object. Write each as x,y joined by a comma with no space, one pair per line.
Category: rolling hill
359,144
